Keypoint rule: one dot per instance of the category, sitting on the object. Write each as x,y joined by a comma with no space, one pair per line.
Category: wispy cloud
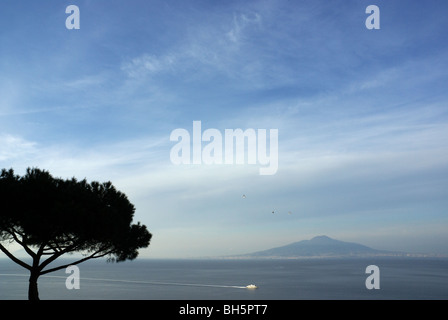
14,148
204,52
240,23
149,65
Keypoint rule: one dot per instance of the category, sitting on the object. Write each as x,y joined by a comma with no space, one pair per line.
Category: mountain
320,246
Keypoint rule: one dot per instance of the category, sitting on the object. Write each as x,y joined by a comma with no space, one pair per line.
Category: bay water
222,279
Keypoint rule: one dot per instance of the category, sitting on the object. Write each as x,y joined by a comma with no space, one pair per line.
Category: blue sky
362,115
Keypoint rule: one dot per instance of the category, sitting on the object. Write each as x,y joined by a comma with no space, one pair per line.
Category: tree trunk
33,293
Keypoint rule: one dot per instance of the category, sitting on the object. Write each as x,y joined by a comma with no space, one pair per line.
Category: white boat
251,286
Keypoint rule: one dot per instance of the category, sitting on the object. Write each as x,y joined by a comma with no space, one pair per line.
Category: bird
244,196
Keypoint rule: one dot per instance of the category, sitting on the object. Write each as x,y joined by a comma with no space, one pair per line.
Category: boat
251,286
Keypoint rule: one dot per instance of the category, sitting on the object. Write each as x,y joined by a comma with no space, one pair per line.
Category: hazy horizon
22,254
361,114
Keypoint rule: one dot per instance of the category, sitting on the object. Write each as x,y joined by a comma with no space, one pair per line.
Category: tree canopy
50,217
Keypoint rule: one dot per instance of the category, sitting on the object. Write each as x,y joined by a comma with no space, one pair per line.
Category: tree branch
13,258
21,242
55,256
92,256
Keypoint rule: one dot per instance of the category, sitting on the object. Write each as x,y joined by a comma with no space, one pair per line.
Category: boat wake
251,286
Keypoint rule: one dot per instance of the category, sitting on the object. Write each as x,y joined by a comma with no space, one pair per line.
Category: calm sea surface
400,278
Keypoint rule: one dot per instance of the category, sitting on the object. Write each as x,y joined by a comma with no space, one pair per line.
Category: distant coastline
395,255
324,247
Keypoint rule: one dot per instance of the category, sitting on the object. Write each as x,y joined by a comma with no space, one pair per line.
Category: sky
361,114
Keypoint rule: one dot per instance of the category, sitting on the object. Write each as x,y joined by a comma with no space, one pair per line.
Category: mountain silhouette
320,246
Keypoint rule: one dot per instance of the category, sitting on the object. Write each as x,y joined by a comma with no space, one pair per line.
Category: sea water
203,279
